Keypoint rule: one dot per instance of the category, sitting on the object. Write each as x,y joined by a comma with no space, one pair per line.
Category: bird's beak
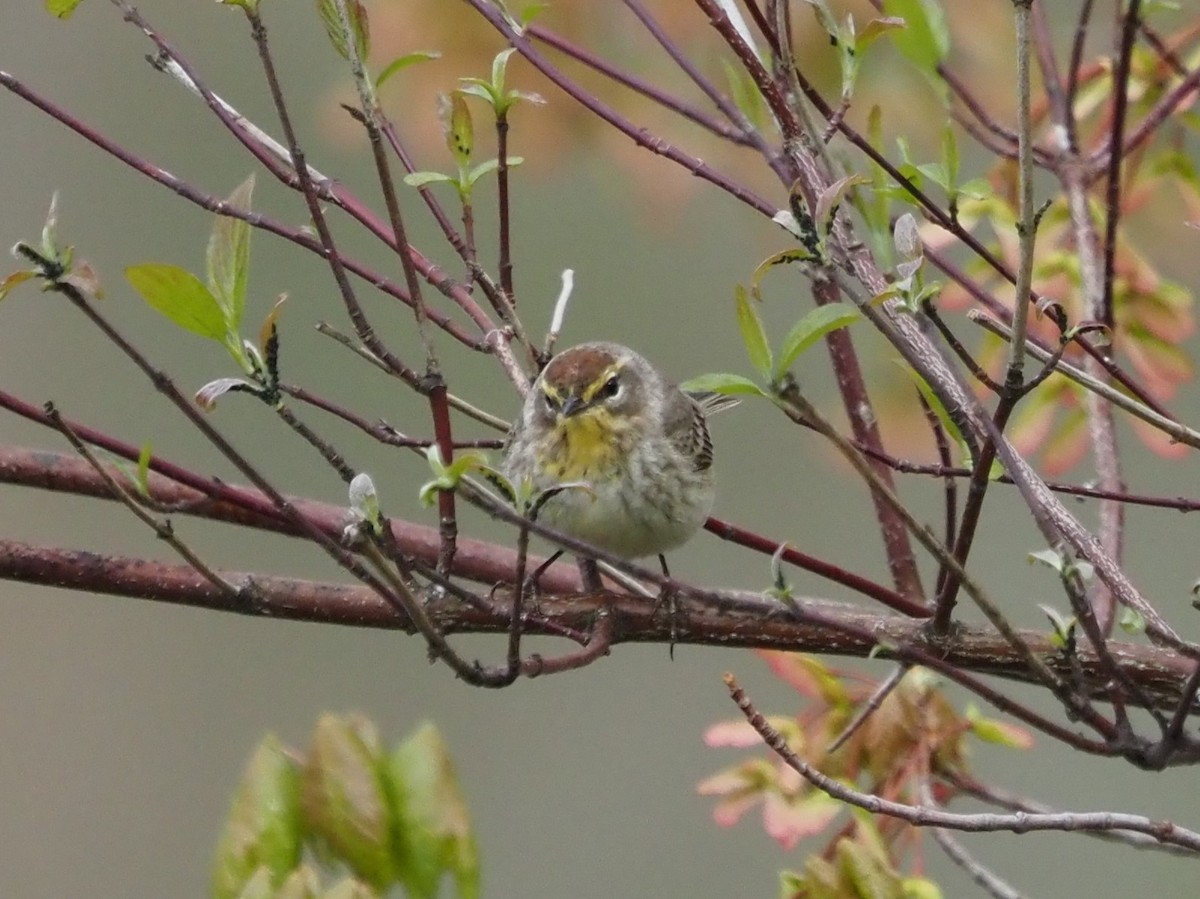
571,405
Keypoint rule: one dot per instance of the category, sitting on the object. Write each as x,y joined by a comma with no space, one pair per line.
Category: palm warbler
636,446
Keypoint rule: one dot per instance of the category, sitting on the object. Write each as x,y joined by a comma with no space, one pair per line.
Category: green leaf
754,336
50,234
490,166
1049,557
228,257
745,93
822,879
950,157
999,732
62,9
849,60
528,13
15,279
796,254
875,29
143,469
345,798
350,889
420,179
723,383
920,888
446,477
434,832
403,62
811,328
831,198
936,172
976,189
302,883
906,237
263,830
269,330
360,27
791,884
869,874
873,204
364,501
1132,621
499,69
259,886
460,132
477,87
925,41
179,295
938,409
825,18
1064,629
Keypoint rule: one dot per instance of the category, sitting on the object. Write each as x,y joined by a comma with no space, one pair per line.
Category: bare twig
988,880
984,822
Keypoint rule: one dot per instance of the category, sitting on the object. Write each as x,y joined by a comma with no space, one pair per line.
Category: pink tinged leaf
85,279
723,783
1162,365
788,822
1166,313
786,666
1003,734
730,810
788,779
13,280
738,734
1035,418
1068,445
207,396
1157,442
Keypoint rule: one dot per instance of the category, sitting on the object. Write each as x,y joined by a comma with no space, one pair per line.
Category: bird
628,450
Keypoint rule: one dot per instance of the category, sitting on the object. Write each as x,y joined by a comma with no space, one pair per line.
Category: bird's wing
710,403
688,430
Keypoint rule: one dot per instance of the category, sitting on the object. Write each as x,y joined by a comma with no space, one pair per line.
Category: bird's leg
531,586
589,573
667,595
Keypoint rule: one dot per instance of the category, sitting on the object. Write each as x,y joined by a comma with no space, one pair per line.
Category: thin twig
869,707
969,786
984,822
1082,24
640,136
379,430
1026,213
1112,197
1168,426
675,104
988,880
922,533
163,530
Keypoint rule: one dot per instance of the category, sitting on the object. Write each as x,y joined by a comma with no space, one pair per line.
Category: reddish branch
1159,672
478,561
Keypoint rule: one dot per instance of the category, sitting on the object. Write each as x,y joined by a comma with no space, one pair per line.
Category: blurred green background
124,724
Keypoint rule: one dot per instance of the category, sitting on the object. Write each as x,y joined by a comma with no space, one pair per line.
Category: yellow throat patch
585,445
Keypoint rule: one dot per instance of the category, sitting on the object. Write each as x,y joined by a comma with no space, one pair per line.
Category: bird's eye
550,401
610,389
